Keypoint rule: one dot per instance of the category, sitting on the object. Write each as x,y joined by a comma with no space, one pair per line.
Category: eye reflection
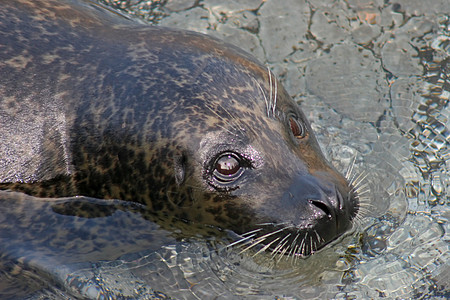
227,167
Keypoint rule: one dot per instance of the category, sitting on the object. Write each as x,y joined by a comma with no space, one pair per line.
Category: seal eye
298,130
227,167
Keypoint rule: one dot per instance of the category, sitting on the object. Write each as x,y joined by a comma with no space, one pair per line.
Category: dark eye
297,128
228,167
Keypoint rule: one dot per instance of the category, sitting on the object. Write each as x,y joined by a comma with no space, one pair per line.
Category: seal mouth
333,219
283,239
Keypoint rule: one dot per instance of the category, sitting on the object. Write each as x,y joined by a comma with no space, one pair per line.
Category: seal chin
313,214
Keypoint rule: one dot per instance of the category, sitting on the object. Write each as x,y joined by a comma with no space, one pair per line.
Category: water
373,77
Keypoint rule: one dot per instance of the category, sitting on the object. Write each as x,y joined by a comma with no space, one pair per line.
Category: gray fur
93,104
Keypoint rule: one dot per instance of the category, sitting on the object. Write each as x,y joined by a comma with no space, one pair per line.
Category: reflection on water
374,79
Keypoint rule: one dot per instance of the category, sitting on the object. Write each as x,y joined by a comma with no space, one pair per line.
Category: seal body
194,129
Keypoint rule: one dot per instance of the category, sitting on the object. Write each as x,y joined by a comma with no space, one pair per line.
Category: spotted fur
94,104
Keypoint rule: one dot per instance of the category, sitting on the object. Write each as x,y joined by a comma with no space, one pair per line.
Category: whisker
248,239
252,231
281,244
357,220
239,127
359,179
265,98
294,254
275,97
220,117
362,186
270,91
240,124
240,241
293,243
266,247
275,250
281,255
273,232
352,177
253,244
268,224
318,236
236,129
363,212
303,251
363,192
350,168
261,239
366,205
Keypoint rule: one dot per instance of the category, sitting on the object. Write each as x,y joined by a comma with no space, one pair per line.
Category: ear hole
180,162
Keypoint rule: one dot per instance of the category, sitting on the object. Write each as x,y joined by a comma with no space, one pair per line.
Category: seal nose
313,202
323,206
313,212
332,206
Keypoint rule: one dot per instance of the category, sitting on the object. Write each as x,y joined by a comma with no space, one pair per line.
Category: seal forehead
216,93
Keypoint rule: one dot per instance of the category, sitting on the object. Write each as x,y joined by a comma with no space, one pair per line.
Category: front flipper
47,236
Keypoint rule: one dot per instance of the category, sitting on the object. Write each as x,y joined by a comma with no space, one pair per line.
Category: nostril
322,206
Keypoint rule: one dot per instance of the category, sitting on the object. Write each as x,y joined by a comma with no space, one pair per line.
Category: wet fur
138,113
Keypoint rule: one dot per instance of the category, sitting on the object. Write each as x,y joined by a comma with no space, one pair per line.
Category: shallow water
373,77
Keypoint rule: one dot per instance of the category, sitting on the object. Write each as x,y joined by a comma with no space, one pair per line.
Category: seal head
265,174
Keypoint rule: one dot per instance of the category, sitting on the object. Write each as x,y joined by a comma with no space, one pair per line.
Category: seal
198,131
